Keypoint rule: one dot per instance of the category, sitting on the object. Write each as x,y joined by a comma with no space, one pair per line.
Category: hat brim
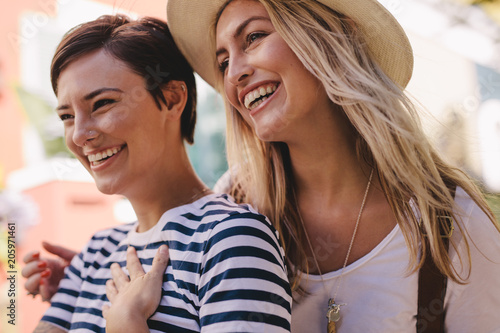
190,22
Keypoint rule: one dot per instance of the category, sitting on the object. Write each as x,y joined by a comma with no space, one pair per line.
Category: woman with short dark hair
127,99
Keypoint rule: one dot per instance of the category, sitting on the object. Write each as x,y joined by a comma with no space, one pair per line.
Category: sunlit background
47,195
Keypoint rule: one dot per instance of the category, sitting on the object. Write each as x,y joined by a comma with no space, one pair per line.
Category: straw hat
190,22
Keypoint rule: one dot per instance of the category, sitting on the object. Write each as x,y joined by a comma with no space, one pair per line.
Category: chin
270,127
266,136
106,188
271,132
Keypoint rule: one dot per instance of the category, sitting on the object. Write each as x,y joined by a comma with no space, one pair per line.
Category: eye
254,36
66,116
223,65
102,102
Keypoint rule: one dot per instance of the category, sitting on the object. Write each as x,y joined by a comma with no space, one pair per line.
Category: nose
238,69
84,131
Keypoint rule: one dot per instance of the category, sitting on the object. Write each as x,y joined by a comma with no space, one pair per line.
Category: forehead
238,12
92,71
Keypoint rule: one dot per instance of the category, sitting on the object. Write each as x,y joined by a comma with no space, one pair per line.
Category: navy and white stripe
226,272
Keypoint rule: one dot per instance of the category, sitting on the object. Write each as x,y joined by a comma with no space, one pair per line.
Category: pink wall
70,213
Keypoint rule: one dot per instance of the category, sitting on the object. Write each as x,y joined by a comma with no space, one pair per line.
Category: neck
172,185
324,162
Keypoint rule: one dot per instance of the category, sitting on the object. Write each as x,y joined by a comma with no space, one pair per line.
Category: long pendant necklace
333,310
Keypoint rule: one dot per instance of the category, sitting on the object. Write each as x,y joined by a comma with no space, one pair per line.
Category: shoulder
220,211
119,230
233,229
483,237
107,239
234,219
472,218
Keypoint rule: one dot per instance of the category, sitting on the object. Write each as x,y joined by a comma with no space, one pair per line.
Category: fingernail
41,282
36,255
130,249
42,264
163,249
45,274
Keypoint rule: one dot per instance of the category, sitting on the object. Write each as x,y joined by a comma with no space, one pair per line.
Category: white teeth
103,154
258,93
256,104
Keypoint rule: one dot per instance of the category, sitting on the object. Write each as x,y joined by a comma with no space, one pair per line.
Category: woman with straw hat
322,139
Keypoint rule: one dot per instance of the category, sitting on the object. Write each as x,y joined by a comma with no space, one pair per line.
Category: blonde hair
389,138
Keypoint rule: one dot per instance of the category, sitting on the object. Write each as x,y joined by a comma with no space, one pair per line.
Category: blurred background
47,195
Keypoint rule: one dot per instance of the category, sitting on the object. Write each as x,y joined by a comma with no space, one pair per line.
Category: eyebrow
91,95
242,27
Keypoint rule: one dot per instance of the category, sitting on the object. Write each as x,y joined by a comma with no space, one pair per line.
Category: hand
44,274
134,300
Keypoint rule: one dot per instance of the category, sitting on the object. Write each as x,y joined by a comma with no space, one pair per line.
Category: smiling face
111,122
263,78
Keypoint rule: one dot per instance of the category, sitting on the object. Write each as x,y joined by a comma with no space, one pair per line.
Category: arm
134,300
45,327
473,307
44,274
244,286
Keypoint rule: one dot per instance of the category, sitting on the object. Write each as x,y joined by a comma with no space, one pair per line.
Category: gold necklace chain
333,311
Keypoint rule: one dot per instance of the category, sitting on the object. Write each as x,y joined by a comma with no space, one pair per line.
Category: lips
257,96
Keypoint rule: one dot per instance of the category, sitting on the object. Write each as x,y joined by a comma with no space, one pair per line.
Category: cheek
231,94
111,122
119,120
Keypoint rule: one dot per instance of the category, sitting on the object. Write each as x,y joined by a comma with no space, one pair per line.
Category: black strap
432,284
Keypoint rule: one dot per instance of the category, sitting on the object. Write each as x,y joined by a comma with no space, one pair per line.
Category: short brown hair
145,45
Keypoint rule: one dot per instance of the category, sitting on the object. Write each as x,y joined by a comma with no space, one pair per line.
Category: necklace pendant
333,315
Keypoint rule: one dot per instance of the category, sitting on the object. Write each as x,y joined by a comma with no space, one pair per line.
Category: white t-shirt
381,295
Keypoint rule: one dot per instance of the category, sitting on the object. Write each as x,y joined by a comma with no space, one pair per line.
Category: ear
176,96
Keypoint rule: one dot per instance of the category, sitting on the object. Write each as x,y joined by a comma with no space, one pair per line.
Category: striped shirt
226,272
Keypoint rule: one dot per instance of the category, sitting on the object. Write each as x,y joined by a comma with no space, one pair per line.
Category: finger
134,266
111,290
160,261
59,251
119,277
45,290
32,283
105,311
33,267
46,274
31,256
